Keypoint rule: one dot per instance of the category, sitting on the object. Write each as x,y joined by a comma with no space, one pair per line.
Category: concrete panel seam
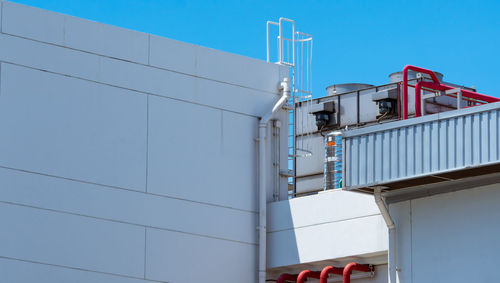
79,269
149,50
124,222
126,189
64,30
196,53
147,140
222,131
323,223
140,92
1,16
145,65
145,243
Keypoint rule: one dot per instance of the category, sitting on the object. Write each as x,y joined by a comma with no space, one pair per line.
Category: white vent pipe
377,192
285,90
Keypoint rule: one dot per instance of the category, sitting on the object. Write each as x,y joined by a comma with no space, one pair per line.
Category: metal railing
293,49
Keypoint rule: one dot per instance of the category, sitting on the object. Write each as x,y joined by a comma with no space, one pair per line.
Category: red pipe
441,87
399,101
418,87
405,84
323,277
346,276
304,274
286,277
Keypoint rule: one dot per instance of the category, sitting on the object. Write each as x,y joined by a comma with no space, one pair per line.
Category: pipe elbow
323,277
304,274
286,277
377,193
405,70
285,85
285,89
348,269
418,86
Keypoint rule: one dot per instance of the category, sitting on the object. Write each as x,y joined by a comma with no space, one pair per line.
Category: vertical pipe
405,93
262,202
285,88
358,120
391,266
276,159
399,101
459,99
377,193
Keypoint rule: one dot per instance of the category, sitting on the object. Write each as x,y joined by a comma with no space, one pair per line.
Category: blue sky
354,41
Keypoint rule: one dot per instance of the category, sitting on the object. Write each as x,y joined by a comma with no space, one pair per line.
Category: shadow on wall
331,225
282,248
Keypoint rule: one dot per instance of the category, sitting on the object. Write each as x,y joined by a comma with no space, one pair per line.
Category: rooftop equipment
333,161
436,85
413,92
426,149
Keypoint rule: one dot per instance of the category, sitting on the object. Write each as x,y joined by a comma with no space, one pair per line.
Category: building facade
124,156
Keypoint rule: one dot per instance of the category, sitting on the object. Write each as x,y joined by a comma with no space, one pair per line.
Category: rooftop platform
445,147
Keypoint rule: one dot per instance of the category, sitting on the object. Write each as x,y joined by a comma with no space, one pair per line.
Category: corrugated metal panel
422,146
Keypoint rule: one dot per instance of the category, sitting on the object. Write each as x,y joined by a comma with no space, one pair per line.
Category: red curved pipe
441,87
304,274
399,101
286,277
405,84
346,276
418,94
323,277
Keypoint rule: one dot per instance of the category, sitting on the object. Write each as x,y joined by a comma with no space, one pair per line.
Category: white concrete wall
451,237
330,226
125,157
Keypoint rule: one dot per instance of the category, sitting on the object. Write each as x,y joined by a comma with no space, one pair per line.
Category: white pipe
391,266
285,88
392,233
276,160
459,99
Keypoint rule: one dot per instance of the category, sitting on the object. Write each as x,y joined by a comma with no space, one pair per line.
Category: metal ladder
293,49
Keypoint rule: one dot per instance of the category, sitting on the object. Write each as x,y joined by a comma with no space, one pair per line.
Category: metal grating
422,147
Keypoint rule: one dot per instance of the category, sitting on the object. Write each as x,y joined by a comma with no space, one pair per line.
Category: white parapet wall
126,157
329,228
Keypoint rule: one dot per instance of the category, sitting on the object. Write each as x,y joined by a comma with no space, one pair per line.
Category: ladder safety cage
294,49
